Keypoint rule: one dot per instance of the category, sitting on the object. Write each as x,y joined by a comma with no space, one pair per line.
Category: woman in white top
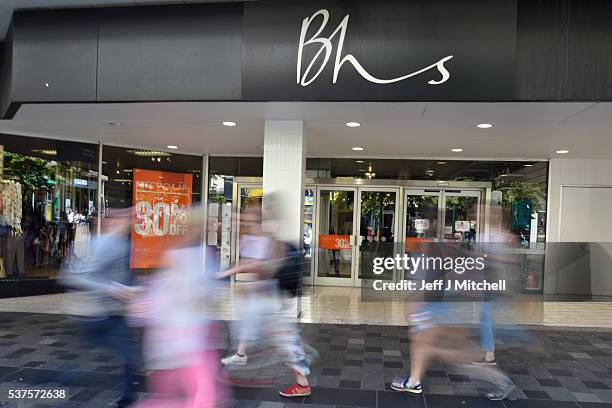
261,255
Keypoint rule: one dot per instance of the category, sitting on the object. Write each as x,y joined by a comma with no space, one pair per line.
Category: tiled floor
552,367
341,305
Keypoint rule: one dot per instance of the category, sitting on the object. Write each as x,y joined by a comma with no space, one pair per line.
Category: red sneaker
296,390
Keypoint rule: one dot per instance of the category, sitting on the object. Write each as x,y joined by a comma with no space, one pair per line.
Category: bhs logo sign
322,56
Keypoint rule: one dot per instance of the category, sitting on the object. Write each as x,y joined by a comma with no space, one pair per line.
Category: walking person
259,302
104,280
172,310
426,332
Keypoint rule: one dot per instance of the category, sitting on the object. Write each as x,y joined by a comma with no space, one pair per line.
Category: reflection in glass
308,232
460,219
377,231
421,217
335,230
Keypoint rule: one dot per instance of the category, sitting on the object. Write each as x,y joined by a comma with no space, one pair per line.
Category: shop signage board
391,50
309,50
161,201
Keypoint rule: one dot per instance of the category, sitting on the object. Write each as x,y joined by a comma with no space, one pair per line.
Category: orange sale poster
334,241
161,200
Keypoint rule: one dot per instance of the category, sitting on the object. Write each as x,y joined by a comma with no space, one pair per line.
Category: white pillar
283,178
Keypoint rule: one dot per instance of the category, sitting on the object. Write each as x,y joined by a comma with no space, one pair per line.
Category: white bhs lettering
326,47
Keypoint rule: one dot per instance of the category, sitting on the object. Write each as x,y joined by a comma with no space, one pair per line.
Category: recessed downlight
357,148
229,123
484,126
562,151
527,165
353,124
456,150
173,147
441,162
358,161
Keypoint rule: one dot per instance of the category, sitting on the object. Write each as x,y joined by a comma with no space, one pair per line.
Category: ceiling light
115,123
441,162
172,147
148,153
527,165
358,161
562,151
484,126
47,152
353,124
229,123
456,150
357,148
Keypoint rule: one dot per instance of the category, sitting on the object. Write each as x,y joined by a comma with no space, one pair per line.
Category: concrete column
284,169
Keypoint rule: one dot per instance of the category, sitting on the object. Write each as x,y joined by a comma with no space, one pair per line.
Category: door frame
397,233
433,192
461,193
309,280
333,281
257,182
442,194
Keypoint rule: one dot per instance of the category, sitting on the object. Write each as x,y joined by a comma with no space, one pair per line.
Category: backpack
289,275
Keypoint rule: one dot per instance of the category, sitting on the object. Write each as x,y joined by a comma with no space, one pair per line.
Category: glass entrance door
461,216
378,231
442,215
355,226
336,236
247,195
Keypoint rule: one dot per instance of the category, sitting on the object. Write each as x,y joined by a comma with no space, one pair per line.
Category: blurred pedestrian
259,302
172,310
104,280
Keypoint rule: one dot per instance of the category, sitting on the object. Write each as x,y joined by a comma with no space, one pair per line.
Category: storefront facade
339,207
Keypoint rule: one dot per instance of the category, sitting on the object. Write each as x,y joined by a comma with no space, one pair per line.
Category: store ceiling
8,6
388,130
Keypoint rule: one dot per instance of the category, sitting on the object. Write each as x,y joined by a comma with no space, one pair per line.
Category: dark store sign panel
399,50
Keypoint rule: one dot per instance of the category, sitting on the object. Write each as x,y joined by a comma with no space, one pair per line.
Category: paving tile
536,394
448,401
586,397
539,404
596,385
350,384
593,405
357,398
604,395
389,399
549,383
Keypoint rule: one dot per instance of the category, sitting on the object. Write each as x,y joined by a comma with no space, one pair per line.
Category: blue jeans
487,341
113,333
